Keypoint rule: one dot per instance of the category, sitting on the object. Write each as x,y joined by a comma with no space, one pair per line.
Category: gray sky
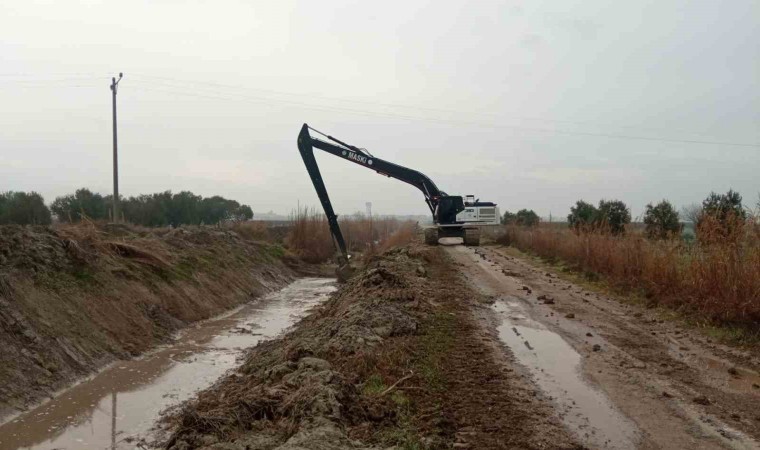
515,102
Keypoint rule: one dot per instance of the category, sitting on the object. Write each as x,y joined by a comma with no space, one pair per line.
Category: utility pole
116,216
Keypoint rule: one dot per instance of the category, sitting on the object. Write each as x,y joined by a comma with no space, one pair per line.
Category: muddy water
117,407
556,368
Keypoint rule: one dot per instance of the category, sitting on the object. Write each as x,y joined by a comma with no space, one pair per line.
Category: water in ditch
118,406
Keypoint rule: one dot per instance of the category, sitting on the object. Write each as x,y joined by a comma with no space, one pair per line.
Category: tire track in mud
654,373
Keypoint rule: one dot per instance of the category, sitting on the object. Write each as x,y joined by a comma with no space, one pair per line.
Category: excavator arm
306,145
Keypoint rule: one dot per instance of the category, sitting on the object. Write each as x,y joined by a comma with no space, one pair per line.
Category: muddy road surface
617,375
118,406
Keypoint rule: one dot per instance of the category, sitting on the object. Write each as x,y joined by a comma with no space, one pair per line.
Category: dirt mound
394,358
73,298
287,395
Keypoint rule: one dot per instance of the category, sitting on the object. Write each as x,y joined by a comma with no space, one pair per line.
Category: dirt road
617,375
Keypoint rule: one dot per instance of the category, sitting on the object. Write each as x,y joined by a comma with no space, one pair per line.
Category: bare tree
692,212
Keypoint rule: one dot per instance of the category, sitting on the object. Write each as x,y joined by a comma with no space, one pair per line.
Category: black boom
439,203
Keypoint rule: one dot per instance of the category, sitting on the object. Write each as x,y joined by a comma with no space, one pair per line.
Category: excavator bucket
344,272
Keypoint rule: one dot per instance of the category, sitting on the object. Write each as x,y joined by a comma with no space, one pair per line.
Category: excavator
453,215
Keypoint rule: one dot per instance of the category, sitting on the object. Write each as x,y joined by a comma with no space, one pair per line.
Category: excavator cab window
448,208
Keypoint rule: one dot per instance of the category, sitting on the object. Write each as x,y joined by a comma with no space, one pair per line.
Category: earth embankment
74,298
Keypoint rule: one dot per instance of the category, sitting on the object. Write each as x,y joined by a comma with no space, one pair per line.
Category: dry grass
717,277
404,234
254,230
88,241
309,235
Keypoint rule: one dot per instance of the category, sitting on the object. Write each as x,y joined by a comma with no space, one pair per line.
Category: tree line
159,209
721,212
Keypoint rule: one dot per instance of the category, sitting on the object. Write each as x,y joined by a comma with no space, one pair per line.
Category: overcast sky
529,104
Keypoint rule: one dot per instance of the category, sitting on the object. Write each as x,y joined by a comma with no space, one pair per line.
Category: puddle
556,368
735,378
116,407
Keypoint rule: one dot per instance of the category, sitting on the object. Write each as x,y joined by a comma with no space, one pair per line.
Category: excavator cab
448,208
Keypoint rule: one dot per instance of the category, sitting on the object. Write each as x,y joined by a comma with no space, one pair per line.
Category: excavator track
431,236
472,237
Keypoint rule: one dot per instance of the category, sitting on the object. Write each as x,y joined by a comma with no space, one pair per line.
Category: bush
719,281
83,203
23,209
724,206
721,215
613,215
661,221
310,239
582,215
508,218
526,218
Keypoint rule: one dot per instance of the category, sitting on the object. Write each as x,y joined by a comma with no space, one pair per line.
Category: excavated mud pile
292,393
395,359
73,298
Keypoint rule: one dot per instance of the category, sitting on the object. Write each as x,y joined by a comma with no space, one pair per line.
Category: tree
153,210
661,221
243,213
508,218
722,216
217,209
526,218
83,203
23,209
184,208
613,214
582,214
692,212
724,207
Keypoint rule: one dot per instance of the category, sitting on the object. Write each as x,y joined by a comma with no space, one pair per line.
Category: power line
213,92
183,84
455,121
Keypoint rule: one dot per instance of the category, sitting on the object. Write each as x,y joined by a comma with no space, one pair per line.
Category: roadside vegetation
715,277
310,239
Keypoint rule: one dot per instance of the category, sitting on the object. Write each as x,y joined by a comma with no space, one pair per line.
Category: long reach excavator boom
451,214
